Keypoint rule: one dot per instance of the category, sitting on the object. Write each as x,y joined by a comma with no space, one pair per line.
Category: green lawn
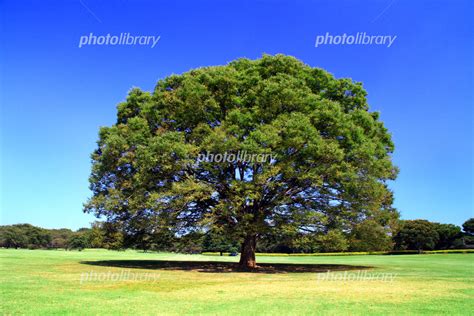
48,282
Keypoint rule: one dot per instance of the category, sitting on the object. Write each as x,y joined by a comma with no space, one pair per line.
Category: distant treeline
367,236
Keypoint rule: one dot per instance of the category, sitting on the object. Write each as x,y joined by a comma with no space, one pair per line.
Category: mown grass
48,282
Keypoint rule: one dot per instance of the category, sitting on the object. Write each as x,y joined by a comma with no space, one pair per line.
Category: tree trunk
247,253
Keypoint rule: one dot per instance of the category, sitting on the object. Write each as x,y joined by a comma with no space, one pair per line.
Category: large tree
24,236
448,235
330,170
468,228
418,234
370,236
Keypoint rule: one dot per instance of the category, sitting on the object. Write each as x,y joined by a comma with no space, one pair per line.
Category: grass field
48,282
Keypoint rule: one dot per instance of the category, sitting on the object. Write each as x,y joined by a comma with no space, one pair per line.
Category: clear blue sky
55,95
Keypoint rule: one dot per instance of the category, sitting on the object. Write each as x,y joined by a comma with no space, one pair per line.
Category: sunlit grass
49,282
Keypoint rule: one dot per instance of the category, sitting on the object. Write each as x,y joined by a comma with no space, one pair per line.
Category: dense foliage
368,236
417,234
24,236
329,167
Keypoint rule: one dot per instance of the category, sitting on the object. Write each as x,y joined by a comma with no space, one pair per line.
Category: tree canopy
468,228
417,234
331,155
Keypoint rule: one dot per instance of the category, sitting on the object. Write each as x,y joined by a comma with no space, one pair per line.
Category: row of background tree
369,235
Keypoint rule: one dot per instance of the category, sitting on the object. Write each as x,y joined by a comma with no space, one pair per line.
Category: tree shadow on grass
216,266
